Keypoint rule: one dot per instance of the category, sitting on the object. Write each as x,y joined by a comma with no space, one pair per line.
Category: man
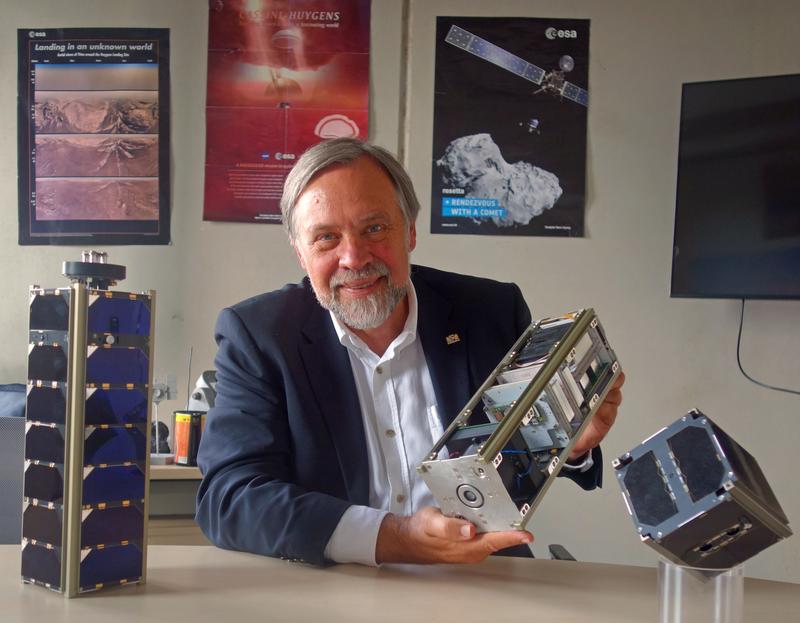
330,391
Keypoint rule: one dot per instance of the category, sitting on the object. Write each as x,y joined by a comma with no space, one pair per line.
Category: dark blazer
283,453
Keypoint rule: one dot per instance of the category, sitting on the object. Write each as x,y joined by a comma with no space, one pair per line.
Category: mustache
374,269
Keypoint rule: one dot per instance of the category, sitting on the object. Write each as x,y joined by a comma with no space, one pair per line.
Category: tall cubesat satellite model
90,367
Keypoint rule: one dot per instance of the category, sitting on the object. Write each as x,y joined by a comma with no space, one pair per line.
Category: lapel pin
452,339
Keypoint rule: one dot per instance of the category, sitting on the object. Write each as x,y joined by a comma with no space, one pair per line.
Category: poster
93,138
509,140
282,76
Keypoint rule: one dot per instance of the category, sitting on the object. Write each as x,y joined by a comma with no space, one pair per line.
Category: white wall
677,353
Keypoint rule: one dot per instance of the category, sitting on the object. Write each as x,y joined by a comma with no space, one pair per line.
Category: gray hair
344,151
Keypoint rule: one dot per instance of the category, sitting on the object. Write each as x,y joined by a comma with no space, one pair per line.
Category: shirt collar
407,336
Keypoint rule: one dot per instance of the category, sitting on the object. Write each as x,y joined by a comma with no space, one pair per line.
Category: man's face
352,240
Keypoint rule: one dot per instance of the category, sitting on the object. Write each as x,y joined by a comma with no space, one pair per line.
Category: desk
205,584
173,490
174,472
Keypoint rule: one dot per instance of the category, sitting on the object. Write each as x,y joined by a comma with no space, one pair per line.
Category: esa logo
556,33
36,33
280,156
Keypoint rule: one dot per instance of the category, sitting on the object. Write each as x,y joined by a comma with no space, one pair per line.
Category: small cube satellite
537,402
698,498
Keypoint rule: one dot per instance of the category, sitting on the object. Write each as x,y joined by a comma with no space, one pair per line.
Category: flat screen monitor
737,215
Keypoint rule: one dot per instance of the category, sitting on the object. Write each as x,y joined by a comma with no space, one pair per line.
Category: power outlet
165,391
172,386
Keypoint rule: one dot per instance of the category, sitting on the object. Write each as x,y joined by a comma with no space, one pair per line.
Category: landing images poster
282,76
509,144
93,125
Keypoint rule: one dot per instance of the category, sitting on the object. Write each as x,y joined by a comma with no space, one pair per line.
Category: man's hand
602,421
427,536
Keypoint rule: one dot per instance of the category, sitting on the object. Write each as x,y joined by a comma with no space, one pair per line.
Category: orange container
188,428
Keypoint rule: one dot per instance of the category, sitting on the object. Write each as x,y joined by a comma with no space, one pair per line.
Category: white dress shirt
401,424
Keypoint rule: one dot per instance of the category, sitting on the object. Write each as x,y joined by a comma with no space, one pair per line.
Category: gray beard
369,312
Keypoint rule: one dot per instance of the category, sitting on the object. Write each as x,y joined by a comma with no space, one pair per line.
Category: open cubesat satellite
538,400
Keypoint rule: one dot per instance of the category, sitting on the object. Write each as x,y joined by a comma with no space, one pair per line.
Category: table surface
198,584
174,472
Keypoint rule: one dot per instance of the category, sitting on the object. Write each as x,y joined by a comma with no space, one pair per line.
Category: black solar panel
494,54
488,51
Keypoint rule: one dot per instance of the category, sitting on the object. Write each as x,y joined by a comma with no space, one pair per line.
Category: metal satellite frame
538,400
547,81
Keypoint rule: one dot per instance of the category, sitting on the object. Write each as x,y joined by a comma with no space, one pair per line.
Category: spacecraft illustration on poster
509,140
283,75
93,136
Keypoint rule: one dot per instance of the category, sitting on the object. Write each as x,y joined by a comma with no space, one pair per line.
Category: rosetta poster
93,136
282,76
509,142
